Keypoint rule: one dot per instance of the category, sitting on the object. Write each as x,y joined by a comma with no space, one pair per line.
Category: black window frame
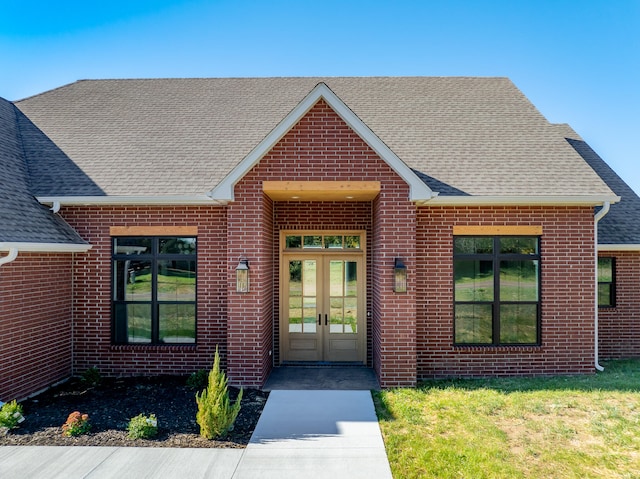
496,257
612,283
154,257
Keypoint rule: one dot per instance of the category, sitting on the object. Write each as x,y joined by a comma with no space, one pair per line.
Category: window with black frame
154,290
606,282
496,290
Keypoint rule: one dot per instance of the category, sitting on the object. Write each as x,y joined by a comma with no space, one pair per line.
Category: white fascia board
619,247
45,247
585,200
224,191
129,200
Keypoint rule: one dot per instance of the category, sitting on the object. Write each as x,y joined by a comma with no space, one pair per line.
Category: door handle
320,320
325,320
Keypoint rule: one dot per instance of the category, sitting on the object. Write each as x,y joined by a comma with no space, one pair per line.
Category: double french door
322,312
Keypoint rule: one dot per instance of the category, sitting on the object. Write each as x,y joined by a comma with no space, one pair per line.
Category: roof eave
224,191
26,247
560,200
619,247
130,200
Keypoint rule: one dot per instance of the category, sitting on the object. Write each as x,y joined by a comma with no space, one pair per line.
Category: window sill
153,347
498,347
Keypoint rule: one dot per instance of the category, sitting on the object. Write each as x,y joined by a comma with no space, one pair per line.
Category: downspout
13,254
598,216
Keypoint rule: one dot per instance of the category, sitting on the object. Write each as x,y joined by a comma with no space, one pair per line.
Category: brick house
423,227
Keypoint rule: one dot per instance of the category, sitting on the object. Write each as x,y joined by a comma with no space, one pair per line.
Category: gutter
57,201
598,216
41,248
524,200
13,254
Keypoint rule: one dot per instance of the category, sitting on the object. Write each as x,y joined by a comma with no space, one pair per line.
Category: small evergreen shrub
91,377
198,380
142,427
215,413
76,424
11,414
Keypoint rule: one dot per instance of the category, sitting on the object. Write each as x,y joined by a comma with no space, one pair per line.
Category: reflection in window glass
470,245
137,321
474,324
177,245
343,297
309,277
176,280
132,280
518,245
322,241
177,323
293,242
336,317
473,280
351,315
518,323
351,278
352,242
606,282
519,280
333,242
313,241
129,245
310,311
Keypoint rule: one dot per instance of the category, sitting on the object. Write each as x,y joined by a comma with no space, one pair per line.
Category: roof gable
419,191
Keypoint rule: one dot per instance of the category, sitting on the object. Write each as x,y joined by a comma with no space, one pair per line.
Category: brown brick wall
35,323
567,294
619,331
92,284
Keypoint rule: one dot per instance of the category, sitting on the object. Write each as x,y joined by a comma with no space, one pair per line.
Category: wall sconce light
399,276
242,276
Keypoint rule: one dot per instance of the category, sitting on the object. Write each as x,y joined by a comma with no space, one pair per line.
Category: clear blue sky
578,61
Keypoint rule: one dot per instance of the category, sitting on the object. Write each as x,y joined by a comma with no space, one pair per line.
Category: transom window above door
322,242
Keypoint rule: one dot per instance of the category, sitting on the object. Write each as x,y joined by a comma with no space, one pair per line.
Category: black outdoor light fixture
399,276
242,276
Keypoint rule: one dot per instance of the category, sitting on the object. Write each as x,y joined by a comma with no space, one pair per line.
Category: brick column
250,315
394,314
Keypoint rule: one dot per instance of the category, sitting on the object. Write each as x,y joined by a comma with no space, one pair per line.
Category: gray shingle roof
466,136
22,218
622,224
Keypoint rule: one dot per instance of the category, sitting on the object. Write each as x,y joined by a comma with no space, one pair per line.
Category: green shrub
198,380
11,414
142,427
215,414
76,424
91,377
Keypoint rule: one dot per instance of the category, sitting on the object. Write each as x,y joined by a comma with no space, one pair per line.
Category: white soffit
419,191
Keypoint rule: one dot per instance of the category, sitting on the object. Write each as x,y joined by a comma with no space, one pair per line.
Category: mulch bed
113,402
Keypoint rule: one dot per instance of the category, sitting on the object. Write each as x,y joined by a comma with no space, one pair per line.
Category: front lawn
561,427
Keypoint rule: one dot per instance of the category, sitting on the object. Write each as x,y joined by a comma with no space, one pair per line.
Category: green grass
560,427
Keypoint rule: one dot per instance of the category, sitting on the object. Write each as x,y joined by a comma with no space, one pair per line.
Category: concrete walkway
301,434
